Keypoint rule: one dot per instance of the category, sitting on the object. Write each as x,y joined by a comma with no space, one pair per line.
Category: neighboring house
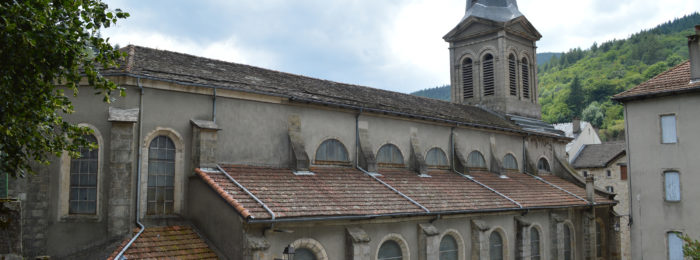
662,121
248,163
607,163
582,132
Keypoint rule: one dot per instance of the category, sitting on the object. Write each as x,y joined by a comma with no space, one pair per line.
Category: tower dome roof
496,10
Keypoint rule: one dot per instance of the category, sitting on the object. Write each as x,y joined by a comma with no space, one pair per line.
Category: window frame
504,243
668,243
312,245
179,175
492,82
525,79
549,167
405,252
391,164
464,63
483,158
348,162
680,186
515,159
600,230
540,243
64,186
460,242
513,65
437,166
675,128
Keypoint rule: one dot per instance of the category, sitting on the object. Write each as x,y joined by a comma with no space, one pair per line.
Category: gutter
269,211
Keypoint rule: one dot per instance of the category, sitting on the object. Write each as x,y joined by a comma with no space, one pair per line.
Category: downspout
142,228
213,107
629,166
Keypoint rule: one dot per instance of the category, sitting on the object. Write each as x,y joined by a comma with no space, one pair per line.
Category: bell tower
492,59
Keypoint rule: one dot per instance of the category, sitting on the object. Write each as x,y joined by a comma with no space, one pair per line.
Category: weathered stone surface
257,243
417,160
367,158
10,229
121,179
357,244
123,115
300,160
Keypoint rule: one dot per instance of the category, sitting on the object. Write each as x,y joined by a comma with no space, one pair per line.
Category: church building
212,159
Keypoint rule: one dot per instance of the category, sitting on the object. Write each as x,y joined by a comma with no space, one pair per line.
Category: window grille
509,162
489,79
436,158
495,246
390,155
598,239
390,250
535,244
332,150
512,75
476,160
526,79
448,248
83,180
467,79
161,175
567,243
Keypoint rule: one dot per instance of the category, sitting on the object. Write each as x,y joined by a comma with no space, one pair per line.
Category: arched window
512,78
543,165
567,243
535,253
509,162
598,239
390,155
83,180
495,246
161,174
331,151
489,77
390,250
304,254
467,78
526,78
448,248
436,158
476,160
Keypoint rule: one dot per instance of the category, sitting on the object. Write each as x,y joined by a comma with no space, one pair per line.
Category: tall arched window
543,165
161,175
488,74
83,180
436,158
476,160
467,78
567,243
304,254
495,246
510,163
598,239
390,155
331,151
448,248
512,77
526,78
390,250
535,253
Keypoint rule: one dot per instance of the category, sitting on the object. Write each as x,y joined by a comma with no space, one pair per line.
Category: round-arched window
448,248
331,151
390,155
83,179
512,77
467,78
436,158
495,246
304,254
567,243
476,160
535,244
488,75
509,162
390,250
161,175
543,165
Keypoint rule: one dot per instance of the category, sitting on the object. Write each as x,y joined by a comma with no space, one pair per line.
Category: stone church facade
210,159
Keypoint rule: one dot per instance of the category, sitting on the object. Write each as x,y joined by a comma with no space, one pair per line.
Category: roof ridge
624,93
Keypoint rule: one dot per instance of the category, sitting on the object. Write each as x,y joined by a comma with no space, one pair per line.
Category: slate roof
348,192
673,81
198,71
598,155
171,242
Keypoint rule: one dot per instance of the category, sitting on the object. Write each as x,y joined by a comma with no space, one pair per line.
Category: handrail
247,191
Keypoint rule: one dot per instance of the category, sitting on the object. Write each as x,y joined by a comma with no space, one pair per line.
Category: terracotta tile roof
575,189
345,192
674,80
172,242
598,155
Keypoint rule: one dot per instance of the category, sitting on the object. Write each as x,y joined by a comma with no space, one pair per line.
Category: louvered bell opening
467,79
511,76
488,75
526,79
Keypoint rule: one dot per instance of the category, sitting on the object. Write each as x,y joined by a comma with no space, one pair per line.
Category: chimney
694,50
590,189
576,124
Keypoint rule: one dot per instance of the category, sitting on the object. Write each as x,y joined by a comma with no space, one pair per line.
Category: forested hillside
440,92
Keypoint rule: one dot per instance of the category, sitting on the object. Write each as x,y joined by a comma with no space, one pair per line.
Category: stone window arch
525,77
488,74
543,165
536,243
436,158
498,244
476,160
459,242
389,155
314,249
156,159
80,188
600,247
568,240
509,162
467,78
512,75
332,151
387,248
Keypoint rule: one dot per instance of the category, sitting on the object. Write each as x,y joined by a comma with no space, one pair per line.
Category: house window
467,78
609,189
672,185
390,250
599,239
489,77
331,151
535,253
567,243
668,129
675,246
608,173
509,162
448,248
623,172
390,155
436,158
161,175
543,165
304,254
495,246
476,160
526,78
585,173
512,75
83,180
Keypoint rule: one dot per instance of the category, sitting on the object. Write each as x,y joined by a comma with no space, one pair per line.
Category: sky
389,44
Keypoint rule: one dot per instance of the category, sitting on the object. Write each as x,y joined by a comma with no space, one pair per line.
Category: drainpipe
213,107
142,228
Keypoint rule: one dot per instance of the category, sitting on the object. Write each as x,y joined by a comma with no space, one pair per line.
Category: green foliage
46,43
593,114
691,247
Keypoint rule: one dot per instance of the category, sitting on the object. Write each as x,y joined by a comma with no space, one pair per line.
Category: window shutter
467,79
489,80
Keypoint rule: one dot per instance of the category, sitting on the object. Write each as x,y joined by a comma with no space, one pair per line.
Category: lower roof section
278,194
171,242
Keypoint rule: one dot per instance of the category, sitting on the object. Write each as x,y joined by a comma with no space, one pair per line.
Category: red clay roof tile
171,242
676,79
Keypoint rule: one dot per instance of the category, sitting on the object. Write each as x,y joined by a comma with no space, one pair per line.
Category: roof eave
642,96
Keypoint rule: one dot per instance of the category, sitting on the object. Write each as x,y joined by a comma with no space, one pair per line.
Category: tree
691,247
576,96
48,47
593,114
